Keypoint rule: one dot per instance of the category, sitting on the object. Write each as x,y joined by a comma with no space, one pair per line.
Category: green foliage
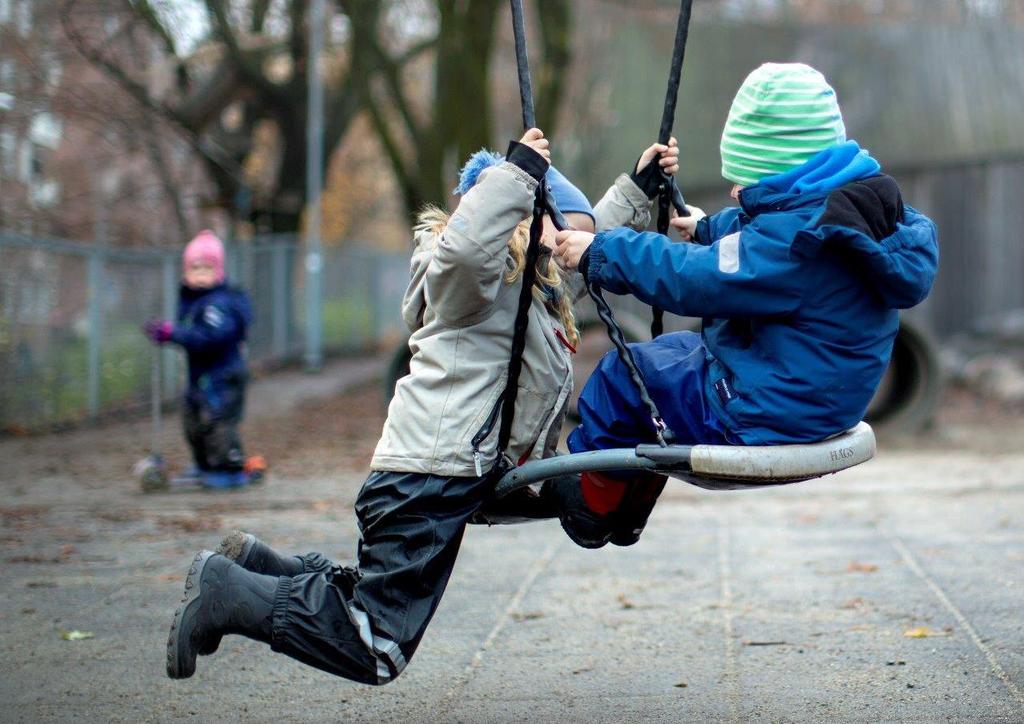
348,323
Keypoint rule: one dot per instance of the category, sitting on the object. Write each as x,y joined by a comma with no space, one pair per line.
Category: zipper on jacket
483,433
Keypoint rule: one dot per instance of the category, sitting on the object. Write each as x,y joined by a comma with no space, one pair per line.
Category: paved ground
797,604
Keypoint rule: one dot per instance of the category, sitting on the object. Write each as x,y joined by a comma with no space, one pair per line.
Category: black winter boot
220,598
254,555
636,506
586,528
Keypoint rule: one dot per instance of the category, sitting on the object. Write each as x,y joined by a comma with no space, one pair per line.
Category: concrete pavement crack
542,562
725,574
944,599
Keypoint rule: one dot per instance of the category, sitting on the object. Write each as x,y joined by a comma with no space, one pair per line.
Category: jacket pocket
533,410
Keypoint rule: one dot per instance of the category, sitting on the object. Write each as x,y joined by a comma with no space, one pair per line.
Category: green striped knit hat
783,114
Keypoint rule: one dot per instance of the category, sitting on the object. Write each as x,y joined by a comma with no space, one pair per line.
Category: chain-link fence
70,314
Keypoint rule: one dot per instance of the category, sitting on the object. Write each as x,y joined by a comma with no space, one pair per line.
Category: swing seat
713,467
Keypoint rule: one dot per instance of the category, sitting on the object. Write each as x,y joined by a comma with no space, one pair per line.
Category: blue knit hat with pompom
566,195
475,165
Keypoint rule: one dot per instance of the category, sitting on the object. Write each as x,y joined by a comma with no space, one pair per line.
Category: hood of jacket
860,215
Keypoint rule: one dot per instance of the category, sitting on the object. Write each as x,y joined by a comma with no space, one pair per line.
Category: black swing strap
523,65
668,192
506,403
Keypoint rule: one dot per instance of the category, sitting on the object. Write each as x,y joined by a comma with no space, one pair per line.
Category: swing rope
542,204
668,192
662,432
523,65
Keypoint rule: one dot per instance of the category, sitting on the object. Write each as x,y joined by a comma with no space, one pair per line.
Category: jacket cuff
633,193
595,260
648,180
527,159
520,175
178,335
702,234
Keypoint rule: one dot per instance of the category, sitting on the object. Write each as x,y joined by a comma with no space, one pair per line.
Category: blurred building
30,133
79,159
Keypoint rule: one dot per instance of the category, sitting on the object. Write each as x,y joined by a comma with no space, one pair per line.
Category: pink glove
158,330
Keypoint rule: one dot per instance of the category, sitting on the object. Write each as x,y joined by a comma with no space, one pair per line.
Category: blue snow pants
674,367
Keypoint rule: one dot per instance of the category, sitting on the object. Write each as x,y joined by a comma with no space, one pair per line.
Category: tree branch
251,71
214,156
144,10
556,45
150,141
391,148
369,57
259,15
135,89
297,39
341,108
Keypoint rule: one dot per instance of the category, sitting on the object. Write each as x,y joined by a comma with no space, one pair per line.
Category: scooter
152,472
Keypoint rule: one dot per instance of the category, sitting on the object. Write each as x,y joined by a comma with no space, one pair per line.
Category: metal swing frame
712,467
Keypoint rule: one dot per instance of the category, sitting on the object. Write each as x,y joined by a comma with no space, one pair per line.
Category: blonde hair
549,275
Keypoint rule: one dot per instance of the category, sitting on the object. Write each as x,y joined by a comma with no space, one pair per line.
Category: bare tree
250,71
252,65
423,131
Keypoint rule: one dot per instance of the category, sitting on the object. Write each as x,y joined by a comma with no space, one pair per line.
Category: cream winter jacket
461,313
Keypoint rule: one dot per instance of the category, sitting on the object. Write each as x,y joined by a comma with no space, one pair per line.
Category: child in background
798,288
365,622
213,318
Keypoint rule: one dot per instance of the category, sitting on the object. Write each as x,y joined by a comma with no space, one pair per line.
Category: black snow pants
365,622
211,426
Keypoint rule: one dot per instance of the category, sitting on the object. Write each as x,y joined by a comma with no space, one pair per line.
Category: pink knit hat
205,247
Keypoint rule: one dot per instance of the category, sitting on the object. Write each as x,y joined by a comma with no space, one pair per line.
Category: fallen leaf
681,685
923,632
858,567
527,615
625,602
765,643
76,635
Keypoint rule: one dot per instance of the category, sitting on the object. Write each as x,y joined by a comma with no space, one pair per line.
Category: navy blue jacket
798,289
212,324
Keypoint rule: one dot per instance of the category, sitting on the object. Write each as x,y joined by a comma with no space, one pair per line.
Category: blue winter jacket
798,289
212,325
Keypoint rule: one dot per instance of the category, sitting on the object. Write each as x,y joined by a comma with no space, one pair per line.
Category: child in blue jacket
212,322
798,289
